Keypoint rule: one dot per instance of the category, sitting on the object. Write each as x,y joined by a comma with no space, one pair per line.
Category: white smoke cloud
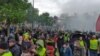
51,6
67,6
85,14
81,6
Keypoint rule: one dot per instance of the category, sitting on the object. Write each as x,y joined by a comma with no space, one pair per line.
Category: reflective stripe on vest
94,44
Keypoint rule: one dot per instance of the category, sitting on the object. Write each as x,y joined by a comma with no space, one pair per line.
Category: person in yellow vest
82,47
40,50
66,37
26,36
3,50
94,44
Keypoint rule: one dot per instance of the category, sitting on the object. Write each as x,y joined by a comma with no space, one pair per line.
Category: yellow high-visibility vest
94,44
26,36
7,54
82,43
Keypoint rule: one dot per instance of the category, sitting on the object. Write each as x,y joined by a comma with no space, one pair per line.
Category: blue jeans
93,53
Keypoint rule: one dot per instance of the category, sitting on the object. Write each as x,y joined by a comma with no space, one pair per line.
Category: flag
98,24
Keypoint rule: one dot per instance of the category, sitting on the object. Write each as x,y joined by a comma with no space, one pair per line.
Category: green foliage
45,19
13,10
32,14
16,11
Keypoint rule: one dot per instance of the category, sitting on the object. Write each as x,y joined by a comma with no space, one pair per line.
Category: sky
86,11
51,6
58,7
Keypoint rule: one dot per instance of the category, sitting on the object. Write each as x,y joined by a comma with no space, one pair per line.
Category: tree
13,10
45,19
33,14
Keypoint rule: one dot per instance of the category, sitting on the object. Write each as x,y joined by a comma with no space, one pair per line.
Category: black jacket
16,50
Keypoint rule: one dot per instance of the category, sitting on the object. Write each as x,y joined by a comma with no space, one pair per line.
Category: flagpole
33,12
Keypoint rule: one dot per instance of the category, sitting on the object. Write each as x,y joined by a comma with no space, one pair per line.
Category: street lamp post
33,3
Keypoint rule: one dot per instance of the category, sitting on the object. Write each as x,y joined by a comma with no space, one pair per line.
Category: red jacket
50,50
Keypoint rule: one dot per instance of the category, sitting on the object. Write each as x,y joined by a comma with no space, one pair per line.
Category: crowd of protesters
39,42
